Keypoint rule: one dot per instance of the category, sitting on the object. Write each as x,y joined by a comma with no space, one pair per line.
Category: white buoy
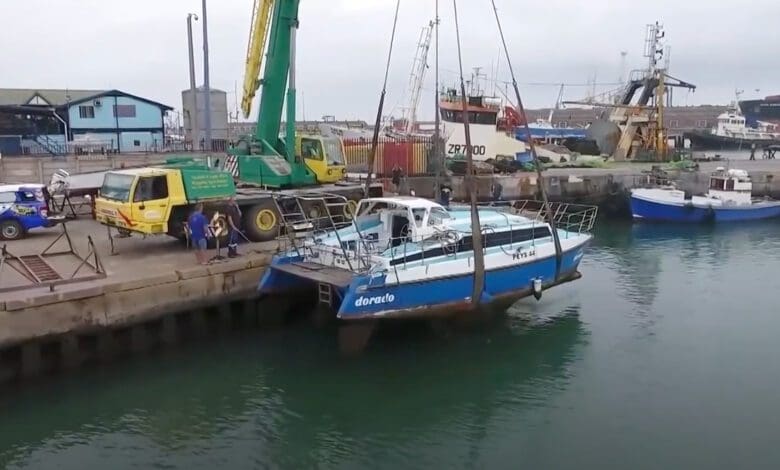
537,288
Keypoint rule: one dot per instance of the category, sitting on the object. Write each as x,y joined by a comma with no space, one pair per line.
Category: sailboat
408,257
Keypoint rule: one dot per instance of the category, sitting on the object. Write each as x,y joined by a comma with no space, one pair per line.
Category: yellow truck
158,200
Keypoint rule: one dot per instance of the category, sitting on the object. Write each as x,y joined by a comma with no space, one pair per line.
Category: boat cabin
731,186
729,123
396,220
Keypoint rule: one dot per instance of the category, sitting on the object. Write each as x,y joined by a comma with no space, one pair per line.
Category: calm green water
665,355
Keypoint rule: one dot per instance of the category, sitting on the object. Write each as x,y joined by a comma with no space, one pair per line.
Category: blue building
40,121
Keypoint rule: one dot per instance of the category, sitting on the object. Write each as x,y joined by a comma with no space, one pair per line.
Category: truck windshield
117,187
333,151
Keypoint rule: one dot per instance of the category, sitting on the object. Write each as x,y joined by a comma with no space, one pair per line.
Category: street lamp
193,90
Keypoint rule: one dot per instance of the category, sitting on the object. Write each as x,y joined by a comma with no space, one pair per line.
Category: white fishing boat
410,257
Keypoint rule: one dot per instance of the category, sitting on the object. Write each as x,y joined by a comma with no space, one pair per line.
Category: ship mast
476,228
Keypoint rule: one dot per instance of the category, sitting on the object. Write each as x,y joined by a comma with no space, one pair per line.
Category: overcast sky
140,47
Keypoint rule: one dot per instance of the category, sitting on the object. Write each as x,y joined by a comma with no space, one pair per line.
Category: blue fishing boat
410,257
729,199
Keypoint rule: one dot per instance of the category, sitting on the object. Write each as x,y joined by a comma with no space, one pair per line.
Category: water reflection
288,399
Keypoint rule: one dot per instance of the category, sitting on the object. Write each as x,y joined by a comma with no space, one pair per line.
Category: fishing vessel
732,132
404,257
729,199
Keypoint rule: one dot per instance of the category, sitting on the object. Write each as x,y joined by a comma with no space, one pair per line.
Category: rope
476,232
521,109
378,121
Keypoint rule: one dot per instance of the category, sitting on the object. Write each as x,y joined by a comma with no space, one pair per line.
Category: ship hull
709,141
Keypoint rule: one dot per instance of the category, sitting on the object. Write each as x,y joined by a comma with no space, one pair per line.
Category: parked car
23,207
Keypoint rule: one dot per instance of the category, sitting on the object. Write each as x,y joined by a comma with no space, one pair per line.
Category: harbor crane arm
261,13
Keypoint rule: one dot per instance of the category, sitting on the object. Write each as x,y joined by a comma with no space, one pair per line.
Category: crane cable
476,228
378,122
532,147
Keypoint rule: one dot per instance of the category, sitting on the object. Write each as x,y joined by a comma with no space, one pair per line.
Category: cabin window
716,183
418,214
437,216
6,198
124,110
311,149
87,112
729,185
150,188
474,117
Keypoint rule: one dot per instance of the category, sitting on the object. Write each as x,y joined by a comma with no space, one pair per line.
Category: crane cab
323,156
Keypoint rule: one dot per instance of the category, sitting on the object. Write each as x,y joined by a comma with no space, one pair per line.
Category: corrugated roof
18,96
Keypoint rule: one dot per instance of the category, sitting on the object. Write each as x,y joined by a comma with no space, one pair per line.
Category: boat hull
709,141
365,298
663,211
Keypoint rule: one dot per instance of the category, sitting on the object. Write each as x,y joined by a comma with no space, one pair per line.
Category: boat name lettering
378,300
454,149
523,254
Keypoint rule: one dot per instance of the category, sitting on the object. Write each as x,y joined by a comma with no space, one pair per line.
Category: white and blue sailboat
404,257
729,199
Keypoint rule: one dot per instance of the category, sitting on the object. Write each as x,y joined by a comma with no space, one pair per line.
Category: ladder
38,269
325,294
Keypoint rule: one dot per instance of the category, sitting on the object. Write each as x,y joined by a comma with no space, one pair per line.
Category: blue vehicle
23,207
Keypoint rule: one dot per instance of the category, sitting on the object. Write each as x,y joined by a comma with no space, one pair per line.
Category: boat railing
309,217
575,219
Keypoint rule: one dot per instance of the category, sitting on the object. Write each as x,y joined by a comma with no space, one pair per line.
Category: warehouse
56,122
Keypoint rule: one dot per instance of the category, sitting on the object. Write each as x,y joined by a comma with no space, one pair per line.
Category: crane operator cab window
312,149
150,188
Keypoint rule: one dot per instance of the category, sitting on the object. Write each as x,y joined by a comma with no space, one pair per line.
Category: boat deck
317,272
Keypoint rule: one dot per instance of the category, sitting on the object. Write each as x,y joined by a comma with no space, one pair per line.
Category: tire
11,230
262,221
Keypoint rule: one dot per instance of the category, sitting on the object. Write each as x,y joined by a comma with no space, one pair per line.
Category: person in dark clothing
396,179
199,231
233,213
445,193
753,152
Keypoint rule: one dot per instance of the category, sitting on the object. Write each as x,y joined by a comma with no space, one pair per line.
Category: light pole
193,89
206,86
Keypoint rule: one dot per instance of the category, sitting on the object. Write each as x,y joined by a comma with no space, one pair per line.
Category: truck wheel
262,222
11,230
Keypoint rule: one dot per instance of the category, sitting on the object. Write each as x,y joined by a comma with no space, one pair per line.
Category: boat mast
476,228
437,123
532,147
378,121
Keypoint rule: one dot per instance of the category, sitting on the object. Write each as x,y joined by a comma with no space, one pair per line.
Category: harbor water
664,355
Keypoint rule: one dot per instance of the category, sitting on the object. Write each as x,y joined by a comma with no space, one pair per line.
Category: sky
140,47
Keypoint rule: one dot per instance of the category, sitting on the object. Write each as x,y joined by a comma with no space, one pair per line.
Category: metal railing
573,218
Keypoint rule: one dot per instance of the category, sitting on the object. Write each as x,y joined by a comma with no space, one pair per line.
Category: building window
701,123
136,143
87,112
674,124
124,110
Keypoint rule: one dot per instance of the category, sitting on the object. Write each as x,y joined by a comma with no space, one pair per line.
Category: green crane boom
275,163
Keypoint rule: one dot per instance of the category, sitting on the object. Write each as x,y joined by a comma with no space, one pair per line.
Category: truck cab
324,156
140,200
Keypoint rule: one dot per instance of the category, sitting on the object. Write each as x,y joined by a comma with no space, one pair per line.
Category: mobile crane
265,158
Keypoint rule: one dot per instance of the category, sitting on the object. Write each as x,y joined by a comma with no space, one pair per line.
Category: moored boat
729,199
409,257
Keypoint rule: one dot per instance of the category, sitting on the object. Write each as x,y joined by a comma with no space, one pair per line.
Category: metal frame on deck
40,273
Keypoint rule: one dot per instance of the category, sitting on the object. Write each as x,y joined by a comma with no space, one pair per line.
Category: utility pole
206,85
194,131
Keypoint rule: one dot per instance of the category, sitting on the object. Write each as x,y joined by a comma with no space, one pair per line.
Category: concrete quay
154,293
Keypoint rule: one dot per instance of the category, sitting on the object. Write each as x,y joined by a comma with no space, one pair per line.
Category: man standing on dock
199,227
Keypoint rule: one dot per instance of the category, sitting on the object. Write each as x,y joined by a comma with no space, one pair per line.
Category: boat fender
537,286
